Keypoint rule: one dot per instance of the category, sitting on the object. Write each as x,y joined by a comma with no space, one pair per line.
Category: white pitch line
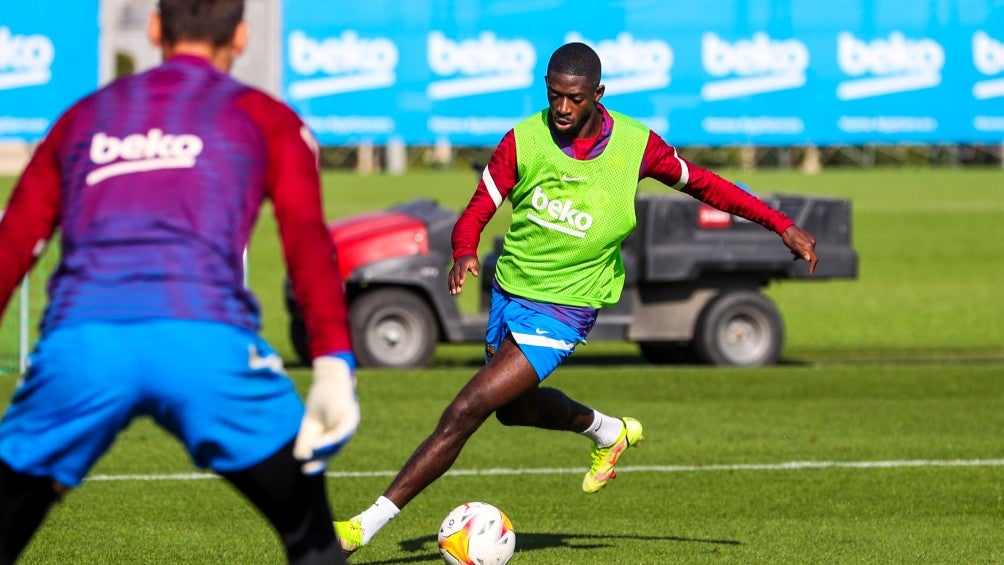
788,466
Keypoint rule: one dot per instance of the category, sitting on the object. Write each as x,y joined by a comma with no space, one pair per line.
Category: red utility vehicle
692,292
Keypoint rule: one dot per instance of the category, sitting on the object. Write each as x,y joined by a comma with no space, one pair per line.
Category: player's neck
220,57
591,129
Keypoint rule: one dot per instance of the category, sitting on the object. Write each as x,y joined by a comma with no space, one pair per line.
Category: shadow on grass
577,360
607,360
424,549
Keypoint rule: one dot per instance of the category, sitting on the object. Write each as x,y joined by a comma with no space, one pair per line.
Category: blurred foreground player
155,182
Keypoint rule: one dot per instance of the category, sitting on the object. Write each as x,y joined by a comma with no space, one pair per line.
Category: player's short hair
575,59
213,21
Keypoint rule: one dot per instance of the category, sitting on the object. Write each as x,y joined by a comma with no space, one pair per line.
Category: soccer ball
476,533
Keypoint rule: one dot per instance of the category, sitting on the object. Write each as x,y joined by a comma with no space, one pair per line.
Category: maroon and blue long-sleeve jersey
155,183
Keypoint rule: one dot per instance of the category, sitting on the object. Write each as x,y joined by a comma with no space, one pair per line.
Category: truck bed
683,239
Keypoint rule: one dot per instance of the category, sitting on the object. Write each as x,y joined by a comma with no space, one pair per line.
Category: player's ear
600,90
240,40
154,30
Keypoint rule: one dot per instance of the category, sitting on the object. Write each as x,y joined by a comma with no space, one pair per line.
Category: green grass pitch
877,439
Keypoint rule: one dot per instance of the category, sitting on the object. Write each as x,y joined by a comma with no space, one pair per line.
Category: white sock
376,517
604,430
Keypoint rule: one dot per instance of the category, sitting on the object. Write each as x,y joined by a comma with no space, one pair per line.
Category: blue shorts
219,389
543,339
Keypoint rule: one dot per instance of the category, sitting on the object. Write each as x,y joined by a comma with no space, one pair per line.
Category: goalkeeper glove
331,412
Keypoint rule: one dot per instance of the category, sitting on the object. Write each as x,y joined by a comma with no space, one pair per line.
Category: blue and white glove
332,412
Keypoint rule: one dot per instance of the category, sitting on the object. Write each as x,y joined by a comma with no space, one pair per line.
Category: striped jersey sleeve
32,213
292,183
497,180
663,163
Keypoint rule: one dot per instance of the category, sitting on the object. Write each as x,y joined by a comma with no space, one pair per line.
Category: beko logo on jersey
350,63
478,66
629,64
573,222
139,152
25,60
896,64
988,57
757,65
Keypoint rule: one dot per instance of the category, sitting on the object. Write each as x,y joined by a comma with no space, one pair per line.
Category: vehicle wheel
739,328
392,327
667,353
298,337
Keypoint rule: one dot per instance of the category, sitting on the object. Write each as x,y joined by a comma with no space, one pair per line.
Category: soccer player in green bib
571,173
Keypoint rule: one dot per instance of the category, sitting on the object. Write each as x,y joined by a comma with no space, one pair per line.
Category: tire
392,327
742,328
667,353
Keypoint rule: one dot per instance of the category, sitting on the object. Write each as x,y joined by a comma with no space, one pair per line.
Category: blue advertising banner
46,63
720,72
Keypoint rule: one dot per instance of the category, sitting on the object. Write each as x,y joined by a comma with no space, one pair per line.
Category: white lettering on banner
896,64
471,125
348,125
988,57
11,124
754,125
484,65
887,124
989,123
25,60
758,65
350,63
578,222
140,153
629,64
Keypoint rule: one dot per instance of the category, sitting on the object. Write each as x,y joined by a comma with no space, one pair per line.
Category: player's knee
463,417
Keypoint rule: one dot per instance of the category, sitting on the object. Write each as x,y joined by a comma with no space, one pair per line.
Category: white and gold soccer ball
477,533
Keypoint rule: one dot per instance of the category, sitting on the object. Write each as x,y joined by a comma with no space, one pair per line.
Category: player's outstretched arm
802,245
332,412
458,274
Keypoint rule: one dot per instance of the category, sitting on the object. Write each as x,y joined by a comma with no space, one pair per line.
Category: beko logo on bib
25,60
572,221
138,152
887,66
